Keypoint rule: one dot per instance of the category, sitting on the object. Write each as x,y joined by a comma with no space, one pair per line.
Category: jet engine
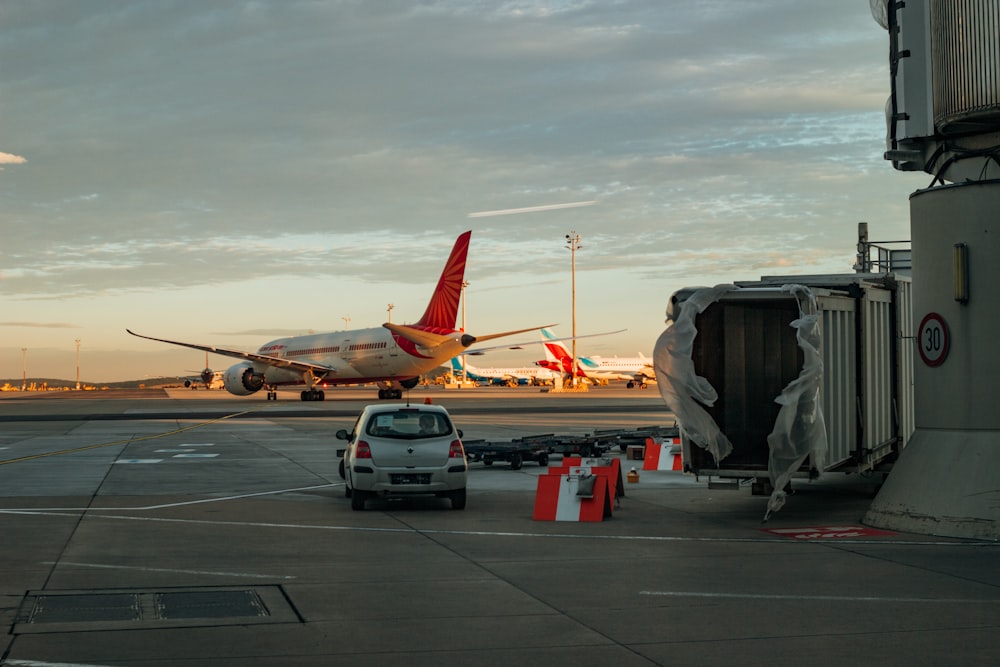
241,380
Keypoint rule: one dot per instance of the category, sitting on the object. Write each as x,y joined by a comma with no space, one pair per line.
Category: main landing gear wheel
272,395
390,394
313,395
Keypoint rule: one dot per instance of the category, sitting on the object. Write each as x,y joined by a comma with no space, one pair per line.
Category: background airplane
393,355
509,376
634,370
211,379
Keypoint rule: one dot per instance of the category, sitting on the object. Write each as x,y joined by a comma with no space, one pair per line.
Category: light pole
24,369
465,284
78,364
573,244
389,309
347,320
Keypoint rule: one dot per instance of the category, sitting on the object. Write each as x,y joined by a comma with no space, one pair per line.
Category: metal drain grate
85,607
209,604
60,611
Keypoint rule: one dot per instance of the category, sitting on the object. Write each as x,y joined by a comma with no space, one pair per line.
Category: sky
230,172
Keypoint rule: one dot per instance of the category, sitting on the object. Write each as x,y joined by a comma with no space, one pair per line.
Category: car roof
390,407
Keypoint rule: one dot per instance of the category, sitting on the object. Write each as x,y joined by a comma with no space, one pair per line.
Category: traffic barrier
558,498
665,455
610,468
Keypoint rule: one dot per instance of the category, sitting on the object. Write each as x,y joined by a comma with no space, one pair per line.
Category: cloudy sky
233,171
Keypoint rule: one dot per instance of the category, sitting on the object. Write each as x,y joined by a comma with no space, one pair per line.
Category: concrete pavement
156,539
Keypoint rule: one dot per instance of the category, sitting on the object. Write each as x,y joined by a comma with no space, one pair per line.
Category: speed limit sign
932,339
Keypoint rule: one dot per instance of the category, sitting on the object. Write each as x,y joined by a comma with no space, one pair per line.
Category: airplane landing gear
390,394
313,395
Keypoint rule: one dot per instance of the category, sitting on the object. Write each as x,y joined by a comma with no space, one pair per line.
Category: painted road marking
827,532
70,511
138,461
127,441
830,598
163,569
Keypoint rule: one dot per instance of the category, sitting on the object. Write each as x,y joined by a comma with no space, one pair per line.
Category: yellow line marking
125,441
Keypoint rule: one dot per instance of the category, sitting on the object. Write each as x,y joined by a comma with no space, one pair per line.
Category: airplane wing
277,362
518,346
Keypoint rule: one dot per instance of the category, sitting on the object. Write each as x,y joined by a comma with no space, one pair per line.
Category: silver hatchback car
398,450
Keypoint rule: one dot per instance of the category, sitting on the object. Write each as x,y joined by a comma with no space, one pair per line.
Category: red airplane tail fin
442,310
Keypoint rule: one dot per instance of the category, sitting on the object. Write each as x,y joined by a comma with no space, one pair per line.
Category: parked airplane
634,370
508,376
393,355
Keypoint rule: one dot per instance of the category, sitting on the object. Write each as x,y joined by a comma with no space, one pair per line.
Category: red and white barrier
556,499
664,455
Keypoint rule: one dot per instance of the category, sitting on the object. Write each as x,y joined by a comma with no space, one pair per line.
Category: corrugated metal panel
877,366
840,372
966,64
905,337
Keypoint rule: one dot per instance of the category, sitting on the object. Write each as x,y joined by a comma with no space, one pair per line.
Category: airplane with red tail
393,355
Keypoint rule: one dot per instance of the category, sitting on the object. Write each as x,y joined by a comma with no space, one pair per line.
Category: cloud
40,325
7,158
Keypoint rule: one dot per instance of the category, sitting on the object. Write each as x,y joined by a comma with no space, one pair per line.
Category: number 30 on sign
932,339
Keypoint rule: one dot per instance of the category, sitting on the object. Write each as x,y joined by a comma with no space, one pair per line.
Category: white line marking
14,662
482,533
138,461
829,598
532,209
194,456
44,510
162,569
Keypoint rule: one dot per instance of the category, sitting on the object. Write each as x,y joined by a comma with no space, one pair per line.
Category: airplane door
347,354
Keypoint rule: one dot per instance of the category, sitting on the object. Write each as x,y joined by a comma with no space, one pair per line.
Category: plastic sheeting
682,389
799,429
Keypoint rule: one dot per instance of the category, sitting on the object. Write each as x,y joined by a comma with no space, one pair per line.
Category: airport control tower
943,117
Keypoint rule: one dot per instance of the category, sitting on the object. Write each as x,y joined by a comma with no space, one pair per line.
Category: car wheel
543,460
343,473
458,499
516,461
347,491
358,500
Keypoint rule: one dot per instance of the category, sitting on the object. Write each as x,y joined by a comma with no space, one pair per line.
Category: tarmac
197,528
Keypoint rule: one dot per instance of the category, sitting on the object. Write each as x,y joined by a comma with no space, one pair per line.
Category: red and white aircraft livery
637,371
393,355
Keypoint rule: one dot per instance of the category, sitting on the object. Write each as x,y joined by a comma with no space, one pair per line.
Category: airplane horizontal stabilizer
480,339
427,339
519,345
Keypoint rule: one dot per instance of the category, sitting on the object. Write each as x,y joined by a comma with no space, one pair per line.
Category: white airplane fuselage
354,357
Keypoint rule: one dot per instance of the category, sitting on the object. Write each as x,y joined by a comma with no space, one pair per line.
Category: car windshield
408,425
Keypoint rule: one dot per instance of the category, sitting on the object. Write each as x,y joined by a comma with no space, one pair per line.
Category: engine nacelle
241,380
409,383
